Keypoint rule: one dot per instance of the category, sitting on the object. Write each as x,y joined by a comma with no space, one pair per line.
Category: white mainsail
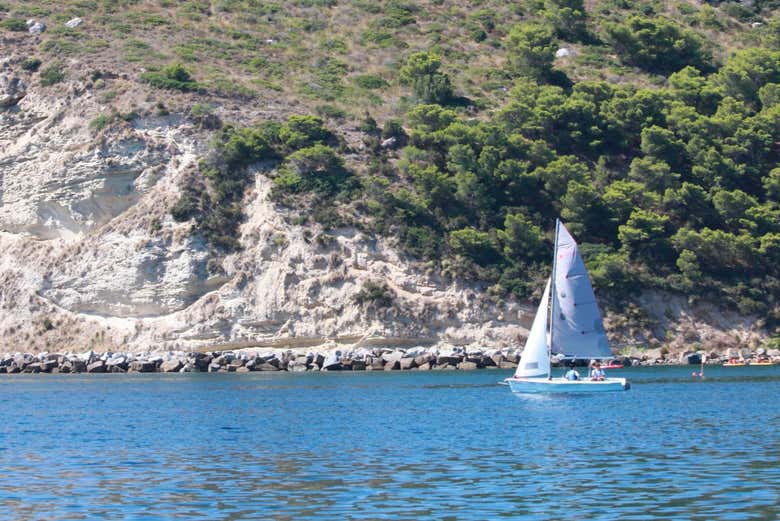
577,330
535,360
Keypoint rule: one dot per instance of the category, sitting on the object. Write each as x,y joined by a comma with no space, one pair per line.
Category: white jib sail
535,360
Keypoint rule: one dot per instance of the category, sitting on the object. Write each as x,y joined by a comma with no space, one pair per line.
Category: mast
552,298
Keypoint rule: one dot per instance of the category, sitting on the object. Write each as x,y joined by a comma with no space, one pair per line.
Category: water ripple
410,446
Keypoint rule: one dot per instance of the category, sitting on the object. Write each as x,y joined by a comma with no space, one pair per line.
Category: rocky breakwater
303,360
291,360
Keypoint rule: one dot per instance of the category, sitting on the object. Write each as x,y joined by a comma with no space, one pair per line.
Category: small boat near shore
568,325
762,362
734,363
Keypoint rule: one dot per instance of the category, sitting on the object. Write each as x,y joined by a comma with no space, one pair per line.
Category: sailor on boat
596,372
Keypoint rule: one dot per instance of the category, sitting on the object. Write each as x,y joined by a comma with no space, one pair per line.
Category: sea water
389,445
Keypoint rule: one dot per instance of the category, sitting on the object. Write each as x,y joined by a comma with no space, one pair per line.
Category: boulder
486,361
202,361
444,367
296,367
390,142
171,366
393,365
142,366
242,369
467,366
451,359
506,364
392,357
332,362
423,359
12,90
73,23
37,28
119,361
49,365
424,367
407,363
98,366
358,365
266,366
32,367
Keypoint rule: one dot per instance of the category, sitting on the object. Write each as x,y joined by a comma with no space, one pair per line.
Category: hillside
235,172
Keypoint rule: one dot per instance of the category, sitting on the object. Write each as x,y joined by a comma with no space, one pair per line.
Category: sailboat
567,325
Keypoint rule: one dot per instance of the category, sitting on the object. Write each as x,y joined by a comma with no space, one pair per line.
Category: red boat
612,365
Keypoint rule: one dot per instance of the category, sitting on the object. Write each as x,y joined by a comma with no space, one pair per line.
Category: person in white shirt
596,372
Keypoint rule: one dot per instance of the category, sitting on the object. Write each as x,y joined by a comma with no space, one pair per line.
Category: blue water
443,445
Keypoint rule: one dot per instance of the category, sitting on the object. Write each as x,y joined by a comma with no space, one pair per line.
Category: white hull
561,385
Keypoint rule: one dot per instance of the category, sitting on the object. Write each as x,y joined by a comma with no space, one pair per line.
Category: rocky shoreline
307,360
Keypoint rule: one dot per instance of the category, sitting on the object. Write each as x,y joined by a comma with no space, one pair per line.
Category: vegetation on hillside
655,137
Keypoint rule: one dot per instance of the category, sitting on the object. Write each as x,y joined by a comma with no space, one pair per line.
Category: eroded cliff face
90,257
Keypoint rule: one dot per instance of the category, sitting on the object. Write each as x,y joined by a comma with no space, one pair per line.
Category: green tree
558,174
691,87
476,245
658,45
644,236
567,17
317,168
622,196
303,131
689,267
689,204
429,84
522,239
531,49
584,210
746,72
653,173
732,205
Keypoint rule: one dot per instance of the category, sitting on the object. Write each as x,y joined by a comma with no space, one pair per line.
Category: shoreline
308,360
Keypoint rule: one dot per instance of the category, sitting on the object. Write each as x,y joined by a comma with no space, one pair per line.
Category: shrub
393,128
14,24
31,64
317,168
203,115
377,294
369,81
53,74
303,131
172,77
102,121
